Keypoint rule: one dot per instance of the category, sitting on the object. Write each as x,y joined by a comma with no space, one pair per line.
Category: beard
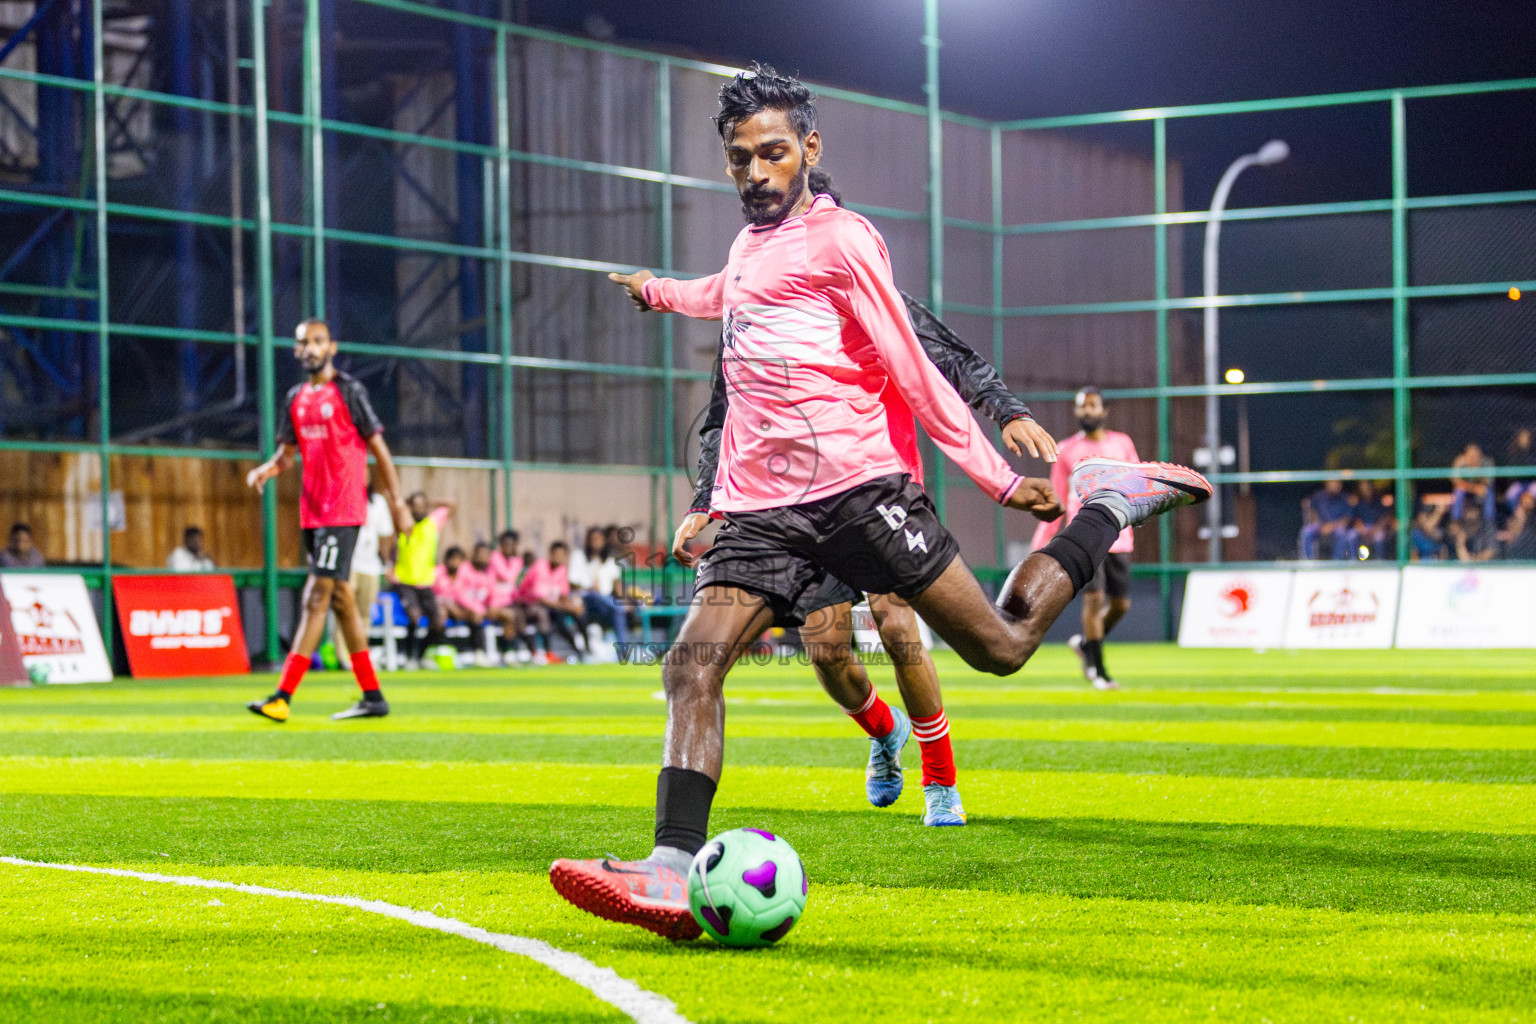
1090,423
764,206
313,364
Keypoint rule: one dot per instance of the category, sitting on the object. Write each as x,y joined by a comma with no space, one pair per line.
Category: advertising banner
55,628
1355,608
1235,609
1465,606
181,625
866,637
13,671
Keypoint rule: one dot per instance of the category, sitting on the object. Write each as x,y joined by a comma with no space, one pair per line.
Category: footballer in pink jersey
1107,597
819,475
823,609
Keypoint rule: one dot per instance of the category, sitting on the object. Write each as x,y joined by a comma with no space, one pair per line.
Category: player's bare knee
898,628
684,676
318,597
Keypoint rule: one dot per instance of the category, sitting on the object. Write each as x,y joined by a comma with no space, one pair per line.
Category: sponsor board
1467,606
866,637
13,671
1235,609
181,625
1342,609
55,628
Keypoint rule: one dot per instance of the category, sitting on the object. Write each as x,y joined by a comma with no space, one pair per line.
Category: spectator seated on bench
1329,531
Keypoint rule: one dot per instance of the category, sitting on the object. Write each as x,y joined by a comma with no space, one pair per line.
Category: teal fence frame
502,257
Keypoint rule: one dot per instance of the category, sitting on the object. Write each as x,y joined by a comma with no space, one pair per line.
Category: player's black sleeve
973,377
709,441
355,394
285,432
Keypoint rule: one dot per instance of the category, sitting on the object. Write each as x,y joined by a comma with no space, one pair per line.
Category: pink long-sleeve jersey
468,587
1071,453
823,369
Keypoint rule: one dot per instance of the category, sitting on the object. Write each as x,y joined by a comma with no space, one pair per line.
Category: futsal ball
747,887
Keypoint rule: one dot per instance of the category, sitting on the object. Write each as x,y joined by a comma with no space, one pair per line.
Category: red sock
362,669
938,757
293,674
874,716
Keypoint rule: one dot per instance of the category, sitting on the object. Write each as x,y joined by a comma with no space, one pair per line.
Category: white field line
642,1006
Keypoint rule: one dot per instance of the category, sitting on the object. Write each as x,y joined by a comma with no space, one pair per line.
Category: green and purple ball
747,887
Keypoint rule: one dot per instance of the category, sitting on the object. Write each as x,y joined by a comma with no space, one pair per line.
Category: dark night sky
1024,58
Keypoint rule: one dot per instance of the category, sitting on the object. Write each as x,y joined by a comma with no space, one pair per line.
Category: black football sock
683,799
1098,659
1093,653
1082,545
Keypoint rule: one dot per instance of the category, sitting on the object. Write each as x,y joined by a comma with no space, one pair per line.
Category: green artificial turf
1293,836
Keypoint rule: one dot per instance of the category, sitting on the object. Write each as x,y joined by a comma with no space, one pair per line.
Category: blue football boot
942,805
883,778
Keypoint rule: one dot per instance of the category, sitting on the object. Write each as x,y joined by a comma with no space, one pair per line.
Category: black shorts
416,602
329,549
829,592
1113,577
882,537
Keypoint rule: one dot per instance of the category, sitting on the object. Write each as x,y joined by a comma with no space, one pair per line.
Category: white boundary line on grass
642,1006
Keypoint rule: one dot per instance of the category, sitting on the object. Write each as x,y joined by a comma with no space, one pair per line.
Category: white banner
867,638
1465,606
1343,609
1234,609
56,628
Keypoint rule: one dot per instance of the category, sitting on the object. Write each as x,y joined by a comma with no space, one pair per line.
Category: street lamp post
1271,152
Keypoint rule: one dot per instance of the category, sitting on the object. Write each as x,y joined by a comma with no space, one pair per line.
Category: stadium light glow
1235,376
1514,293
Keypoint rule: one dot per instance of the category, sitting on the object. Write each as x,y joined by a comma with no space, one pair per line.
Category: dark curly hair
820,182
759,88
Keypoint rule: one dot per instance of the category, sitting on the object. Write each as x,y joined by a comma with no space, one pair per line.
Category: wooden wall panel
56,494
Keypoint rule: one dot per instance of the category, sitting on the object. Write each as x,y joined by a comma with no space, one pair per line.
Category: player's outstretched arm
393,493
280,461
852,265
701,298
979,383
1038,498
634,284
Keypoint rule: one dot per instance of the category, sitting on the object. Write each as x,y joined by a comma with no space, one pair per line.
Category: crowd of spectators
514,601
1485,516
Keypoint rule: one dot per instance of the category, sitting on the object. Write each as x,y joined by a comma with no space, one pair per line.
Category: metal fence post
1402,447
663,129
999,523
267,392
936,485
504,264
103,317
1164,432
313,114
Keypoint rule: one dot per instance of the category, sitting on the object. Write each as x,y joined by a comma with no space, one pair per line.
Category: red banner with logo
181,625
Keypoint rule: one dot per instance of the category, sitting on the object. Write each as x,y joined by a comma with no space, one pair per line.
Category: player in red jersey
1107,597
329,422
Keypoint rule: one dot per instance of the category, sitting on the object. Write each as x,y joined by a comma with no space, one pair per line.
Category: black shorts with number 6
329,549
882,537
